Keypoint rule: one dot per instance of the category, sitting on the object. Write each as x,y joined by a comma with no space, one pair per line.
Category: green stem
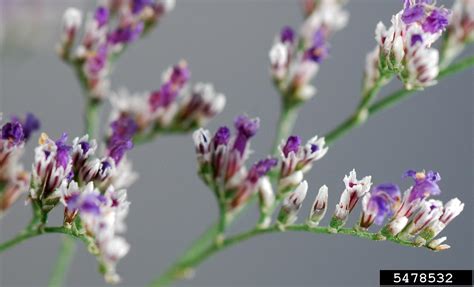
393,99
285,125
92,116
61,267
185,267
30,233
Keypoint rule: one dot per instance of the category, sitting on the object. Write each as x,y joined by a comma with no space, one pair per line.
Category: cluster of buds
90,188
295,60
107,30
102,215
460,31
14,180
173,107
404,49
297,159
222,159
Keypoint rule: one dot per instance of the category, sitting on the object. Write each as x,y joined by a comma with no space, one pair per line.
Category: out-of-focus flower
102,214
173,107
295,59
460,30
107,30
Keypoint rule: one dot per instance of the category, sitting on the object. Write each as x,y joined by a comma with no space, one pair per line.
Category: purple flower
413,14
97,63
415,38
261,168
63,151
287,35
86,203
221,137
436,21
138,5
425,184
118,147
180,74
314,148
30,125
382,199
101,15
319,50
126,34
163,97
13,132
246,128
124,127
292,145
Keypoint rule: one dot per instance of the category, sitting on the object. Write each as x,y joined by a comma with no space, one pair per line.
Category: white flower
319,207
451,210
72,18
202,141
430,211
397,225
292,204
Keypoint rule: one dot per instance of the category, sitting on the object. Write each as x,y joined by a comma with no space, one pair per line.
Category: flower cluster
460,31
222,159
89,187
102,216
405,49
413,218
173,107
298,159
14,180
295,60
107,30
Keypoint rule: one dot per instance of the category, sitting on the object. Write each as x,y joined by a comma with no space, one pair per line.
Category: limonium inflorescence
175,106
91,188
295,56
404,49
107,31
14,179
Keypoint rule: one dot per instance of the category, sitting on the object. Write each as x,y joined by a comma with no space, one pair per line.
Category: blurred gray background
227,42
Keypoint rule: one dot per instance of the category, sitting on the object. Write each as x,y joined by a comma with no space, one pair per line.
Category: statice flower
107,31
102,215
355,189
14,180
295,59
378,204
404,48
298,159
222,158
319,207
173,107
292,204
460,31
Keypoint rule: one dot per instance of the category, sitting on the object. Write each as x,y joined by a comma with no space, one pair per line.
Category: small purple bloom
287,35
87,203
30,125
124,127
246,128
13,132
425,184
138,5
261,168
222,136
163,97
319,50
436,21
97,63
101,15
314,148
127,34
415,38
85,146
413,14
63,151
180,74
118,147
292,145
382,199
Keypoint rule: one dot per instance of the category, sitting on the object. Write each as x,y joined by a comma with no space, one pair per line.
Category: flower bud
318,210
